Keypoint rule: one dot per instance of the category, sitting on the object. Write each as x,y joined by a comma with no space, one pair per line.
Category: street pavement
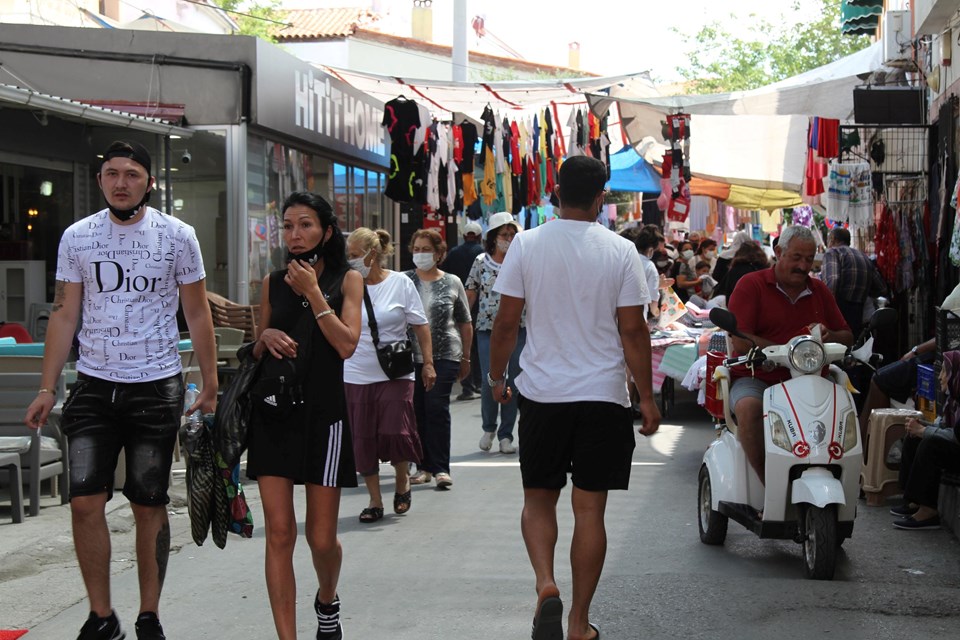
455,566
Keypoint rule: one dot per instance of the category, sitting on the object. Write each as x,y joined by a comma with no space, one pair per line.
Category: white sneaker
506,446
486,440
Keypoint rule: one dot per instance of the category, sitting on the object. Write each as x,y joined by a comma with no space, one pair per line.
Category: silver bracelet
324,313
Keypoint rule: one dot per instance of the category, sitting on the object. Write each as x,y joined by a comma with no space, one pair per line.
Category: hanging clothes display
849,194
401,117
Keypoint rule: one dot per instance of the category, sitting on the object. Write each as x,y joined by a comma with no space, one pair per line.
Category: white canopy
445,98
765,144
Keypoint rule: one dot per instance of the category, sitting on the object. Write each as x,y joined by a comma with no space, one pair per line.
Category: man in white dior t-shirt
584,291
125,268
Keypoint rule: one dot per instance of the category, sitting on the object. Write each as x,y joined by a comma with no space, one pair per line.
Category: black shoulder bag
396,358
277,392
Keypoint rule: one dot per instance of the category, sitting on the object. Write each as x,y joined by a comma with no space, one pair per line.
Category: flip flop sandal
548,623
371,514
401,502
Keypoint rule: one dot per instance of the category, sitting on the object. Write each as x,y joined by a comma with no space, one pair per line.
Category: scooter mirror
885,317
725,320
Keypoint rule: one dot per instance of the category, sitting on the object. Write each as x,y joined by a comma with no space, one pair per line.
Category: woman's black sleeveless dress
314,445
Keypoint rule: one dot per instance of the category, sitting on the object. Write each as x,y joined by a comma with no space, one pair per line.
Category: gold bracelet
45,390
323,313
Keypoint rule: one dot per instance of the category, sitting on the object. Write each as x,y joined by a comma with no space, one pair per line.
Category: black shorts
101,417
898,380
593,441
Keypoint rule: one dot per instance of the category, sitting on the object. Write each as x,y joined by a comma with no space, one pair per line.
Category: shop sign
300,100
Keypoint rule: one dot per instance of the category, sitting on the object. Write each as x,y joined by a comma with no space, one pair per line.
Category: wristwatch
492,382
915,349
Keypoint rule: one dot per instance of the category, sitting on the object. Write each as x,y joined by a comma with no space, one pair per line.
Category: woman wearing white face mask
483,275
448,311
382,419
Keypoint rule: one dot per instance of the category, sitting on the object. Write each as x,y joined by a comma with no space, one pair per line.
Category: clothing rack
905,190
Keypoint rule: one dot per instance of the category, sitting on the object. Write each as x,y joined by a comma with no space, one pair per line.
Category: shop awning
860,17
630,172
445,98
74,110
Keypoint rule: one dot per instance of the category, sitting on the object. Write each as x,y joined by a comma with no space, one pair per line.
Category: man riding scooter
771,306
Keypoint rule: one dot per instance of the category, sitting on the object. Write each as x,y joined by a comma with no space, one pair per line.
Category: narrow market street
455,567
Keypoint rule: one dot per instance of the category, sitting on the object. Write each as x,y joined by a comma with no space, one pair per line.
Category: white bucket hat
497,220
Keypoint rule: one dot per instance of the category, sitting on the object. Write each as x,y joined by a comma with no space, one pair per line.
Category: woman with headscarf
928,450
726,256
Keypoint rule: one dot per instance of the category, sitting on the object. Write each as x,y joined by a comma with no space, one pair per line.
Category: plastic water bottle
195,419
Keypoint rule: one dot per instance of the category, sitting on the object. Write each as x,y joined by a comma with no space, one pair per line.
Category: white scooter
813,452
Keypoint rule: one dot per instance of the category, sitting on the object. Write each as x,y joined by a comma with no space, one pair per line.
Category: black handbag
232,419
277,392
396,358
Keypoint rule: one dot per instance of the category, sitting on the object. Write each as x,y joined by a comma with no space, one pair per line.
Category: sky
624,36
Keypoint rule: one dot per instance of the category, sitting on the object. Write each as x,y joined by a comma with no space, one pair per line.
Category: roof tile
309,24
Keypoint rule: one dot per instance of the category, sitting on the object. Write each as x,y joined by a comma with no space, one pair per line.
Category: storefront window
36,205
273,172
199,193
373,201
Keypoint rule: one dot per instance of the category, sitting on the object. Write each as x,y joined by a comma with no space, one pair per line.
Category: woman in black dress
311,307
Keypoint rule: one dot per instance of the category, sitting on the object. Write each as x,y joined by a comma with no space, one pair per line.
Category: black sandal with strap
401,502
371,514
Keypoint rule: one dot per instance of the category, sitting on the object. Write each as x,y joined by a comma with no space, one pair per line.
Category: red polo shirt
764,310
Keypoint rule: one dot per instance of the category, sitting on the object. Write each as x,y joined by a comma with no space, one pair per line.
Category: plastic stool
878,479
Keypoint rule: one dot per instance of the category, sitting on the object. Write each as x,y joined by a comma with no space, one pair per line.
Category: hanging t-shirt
468,132
515,157
401,117
130,276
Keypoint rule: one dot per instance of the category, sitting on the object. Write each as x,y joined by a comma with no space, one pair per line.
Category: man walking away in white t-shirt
584,292
126,267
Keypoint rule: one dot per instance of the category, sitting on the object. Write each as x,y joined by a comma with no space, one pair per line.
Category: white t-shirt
396,304
573,277
130,277
653,281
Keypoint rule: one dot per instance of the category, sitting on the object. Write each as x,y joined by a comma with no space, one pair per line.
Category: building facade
246,124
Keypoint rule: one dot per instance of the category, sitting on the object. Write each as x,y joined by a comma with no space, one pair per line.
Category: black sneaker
328,619
904,511
148,627
912,523
96,628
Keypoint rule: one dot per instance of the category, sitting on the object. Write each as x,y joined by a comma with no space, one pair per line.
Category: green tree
718,62
259,18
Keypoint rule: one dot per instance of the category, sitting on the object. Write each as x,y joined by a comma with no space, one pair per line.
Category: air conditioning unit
897,48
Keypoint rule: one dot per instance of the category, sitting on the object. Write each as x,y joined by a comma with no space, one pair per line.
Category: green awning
860,17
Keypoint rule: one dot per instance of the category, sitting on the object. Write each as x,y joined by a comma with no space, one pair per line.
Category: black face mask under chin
125,214
310,256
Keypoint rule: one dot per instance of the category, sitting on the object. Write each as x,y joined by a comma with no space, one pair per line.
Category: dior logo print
130,277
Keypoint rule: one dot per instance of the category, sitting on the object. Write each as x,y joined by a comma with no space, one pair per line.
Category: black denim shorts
592,441
102,417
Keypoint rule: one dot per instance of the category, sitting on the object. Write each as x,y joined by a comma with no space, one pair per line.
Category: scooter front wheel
820,542
713,524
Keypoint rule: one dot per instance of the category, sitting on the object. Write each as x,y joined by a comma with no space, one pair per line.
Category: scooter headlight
806,354
778,431
851,431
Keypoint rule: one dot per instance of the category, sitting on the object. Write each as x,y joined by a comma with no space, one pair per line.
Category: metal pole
460,61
